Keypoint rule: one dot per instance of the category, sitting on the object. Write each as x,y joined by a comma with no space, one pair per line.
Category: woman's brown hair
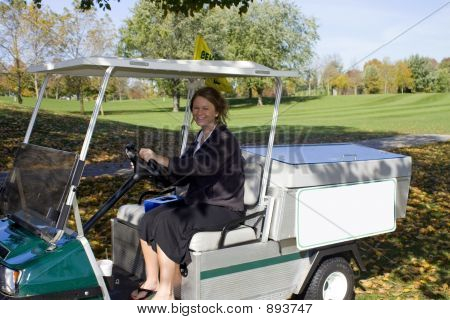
219,102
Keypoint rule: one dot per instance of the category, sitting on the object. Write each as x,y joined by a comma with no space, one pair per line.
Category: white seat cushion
209,240
131,213
252,184
201,241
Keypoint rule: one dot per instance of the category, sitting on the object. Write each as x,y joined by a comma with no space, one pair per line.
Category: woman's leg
151,267
146,229
151,272
167,276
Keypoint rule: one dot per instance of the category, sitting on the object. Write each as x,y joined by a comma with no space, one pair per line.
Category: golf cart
306,205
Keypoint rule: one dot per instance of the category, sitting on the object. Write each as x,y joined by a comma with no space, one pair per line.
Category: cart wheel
333,280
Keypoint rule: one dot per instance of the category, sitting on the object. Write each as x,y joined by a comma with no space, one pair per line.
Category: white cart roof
159,68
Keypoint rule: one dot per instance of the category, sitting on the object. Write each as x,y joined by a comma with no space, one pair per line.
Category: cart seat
131,214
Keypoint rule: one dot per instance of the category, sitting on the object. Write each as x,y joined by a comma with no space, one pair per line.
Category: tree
173,6
119,87
372,79
355,80
151,34
443,76
42,37
331,70
310,80
445,64
273,33
8,83
55,86
27,36
6,86
84,35
12,44
423,71
84,4
387,75
139,89
341,82
443,80
403,76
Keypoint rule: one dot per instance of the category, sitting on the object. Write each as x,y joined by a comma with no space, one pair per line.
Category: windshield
36,188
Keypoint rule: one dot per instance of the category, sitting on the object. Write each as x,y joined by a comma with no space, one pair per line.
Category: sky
352,29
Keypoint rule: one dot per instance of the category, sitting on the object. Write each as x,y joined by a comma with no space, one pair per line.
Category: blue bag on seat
149,204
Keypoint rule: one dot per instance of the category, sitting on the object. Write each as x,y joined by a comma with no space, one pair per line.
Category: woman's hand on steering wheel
145,165
147,154
140,161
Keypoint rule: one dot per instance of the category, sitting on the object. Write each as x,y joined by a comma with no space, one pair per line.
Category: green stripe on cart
248,266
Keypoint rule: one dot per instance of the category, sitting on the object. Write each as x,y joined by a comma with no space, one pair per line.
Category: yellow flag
202,52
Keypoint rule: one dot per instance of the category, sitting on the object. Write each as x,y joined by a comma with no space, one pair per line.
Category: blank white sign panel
333,214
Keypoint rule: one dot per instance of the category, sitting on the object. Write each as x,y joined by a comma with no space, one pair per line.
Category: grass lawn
393,113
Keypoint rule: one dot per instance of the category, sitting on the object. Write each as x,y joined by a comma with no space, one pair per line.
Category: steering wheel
152,170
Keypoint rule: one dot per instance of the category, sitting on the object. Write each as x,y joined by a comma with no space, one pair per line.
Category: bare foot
150,285
145,291
163,296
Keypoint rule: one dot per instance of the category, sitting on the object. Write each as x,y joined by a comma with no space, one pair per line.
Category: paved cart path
401,141
112,168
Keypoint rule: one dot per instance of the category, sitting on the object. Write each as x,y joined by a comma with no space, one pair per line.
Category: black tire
341,273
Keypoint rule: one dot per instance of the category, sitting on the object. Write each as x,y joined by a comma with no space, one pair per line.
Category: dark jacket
215,173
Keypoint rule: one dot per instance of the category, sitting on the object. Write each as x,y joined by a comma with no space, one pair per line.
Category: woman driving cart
212,167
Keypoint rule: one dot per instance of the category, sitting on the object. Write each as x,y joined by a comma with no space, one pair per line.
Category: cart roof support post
94,116
71,196
187,118
278,90
77,215
36,109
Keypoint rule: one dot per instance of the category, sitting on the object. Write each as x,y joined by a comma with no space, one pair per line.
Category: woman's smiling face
204,112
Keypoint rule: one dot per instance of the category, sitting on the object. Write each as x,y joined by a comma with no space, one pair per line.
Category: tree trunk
80,98
36,89
19,88
250,93
402,89
19,82
102,113
81,103
356,90
176,100
260,93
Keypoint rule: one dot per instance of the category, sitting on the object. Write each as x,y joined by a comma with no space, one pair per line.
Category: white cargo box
331,193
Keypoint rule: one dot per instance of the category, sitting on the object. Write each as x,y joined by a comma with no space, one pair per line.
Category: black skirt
171,226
